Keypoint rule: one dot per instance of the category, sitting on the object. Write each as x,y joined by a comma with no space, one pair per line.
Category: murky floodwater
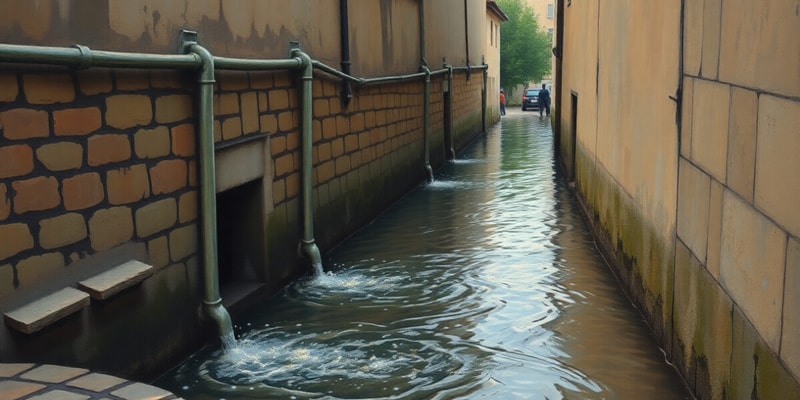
483,284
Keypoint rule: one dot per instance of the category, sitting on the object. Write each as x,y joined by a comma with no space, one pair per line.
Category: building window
550,11
491,33
550,31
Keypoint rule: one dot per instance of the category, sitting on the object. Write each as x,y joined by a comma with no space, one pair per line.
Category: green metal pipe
397,78
372,81
208,199
333,71
441,71
82,57
484,90
244,64
426,123
471,67
309,245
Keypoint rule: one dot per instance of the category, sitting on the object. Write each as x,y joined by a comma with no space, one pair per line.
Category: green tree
524,49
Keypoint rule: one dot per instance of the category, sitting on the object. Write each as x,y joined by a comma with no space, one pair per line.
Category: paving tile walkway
53,382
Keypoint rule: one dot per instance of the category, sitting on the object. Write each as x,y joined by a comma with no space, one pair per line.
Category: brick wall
466,99
100,160
92,160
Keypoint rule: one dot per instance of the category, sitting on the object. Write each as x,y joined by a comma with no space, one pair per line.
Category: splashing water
318,271
228,341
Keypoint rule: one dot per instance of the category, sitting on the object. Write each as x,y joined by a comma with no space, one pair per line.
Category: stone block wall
684,158
737,215
466,97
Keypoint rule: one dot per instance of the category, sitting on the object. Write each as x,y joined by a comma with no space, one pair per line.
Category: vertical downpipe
484,90
466,32
427,100
208,200
558,51
422,32
448,114
426,122
309,245
344,31
466,35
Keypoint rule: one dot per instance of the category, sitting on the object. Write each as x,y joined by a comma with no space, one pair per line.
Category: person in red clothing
502,102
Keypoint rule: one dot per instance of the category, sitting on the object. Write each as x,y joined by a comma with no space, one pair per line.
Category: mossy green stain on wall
282,238
644,260
365,192
715,348
703,323
169,295
756,372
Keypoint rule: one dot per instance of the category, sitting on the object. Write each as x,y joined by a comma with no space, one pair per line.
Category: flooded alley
485,283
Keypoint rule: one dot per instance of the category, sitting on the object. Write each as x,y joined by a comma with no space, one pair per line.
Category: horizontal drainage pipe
82,57
335,72
471,67
372,81
243,64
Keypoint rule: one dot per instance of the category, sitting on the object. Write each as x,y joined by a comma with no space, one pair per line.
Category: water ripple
481,284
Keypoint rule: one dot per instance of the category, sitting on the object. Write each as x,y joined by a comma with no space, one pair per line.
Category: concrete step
117,279
34,316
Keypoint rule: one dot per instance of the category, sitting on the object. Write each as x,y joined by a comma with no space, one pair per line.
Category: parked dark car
530,100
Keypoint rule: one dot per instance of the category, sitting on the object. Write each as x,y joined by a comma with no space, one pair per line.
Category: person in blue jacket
544,101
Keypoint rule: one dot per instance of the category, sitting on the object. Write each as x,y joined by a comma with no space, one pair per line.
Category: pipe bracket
188,38
212,303
86,56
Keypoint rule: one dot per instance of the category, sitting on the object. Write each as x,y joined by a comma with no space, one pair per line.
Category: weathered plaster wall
693,191
380,44
492,43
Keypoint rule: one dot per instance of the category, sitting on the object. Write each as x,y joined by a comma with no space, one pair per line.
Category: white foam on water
468,161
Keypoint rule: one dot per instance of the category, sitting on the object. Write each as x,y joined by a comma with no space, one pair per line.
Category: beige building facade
545,11
494,18
678,122
103,198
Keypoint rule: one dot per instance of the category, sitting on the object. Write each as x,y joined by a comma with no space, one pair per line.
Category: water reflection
482,284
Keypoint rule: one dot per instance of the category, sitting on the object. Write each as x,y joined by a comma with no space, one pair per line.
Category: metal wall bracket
187,39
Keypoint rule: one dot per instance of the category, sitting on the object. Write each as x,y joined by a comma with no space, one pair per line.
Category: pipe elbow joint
306,62
217,312
206,61
312,251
